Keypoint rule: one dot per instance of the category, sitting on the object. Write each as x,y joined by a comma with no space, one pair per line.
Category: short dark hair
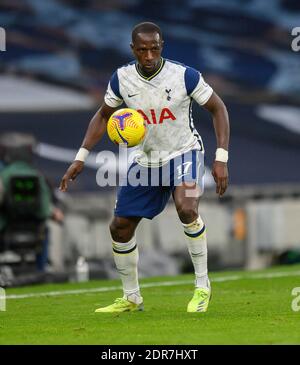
145,27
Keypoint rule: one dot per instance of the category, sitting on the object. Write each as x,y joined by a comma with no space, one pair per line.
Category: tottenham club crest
168,93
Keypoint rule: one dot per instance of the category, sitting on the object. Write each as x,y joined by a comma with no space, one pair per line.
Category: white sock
126,259
197,245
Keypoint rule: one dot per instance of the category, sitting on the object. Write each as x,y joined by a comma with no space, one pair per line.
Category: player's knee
186,213
120,231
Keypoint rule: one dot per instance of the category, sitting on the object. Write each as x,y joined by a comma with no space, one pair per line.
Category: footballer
162,91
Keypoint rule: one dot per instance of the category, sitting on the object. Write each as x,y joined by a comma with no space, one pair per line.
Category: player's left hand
220,175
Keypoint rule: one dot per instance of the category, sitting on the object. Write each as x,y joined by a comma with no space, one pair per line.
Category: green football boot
200,300
121,305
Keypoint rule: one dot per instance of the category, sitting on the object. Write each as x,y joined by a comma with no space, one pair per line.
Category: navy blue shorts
146,190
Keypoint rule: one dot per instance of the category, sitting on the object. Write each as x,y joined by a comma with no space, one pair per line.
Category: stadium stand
243,46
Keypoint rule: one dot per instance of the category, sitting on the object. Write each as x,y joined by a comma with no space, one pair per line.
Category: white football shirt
165,101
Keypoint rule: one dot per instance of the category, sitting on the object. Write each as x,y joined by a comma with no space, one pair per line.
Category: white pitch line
152,285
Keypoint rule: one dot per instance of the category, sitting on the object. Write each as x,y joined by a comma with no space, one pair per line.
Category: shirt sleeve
196,87
112,97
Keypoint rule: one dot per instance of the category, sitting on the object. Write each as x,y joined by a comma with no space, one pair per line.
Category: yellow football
126,127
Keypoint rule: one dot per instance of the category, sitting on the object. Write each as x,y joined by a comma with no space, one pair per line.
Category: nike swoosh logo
130,96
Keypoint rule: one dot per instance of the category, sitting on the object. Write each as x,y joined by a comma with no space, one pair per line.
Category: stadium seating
242,44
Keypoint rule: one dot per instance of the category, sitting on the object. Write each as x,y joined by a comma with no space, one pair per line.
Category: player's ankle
134,298
202,282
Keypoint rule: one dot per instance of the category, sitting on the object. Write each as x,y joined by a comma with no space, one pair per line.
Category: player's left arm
217,108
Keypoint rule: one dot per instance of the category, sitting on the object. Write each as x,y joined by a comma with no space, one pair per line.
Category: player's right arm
94,133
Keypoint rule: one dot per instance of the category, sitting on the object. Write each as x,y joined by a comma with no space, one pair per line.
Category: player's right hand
73,171
220,175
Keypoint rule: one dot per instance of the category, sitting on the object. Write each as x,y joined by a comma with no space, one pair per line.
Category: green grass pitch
246,308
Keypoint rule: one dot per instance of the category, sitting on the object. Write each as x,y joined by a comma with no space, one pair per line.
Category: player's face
147,49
